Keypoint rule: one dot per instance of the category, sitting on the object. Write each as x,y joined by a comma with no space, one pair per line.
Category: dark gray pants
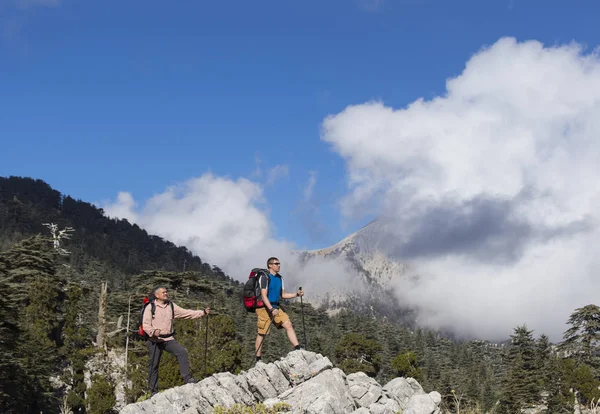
172,347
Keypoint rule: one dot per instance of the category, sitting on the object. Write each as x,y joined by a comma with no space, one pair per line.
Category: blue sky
109,96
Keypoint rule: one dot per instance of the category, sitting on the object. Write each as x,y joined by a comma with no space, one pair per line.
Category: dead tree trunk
101,336
127,338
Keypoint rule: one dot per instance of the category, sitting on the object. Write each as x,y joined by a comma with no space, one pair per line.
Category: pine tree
76,348
406,365
224,352
31,272
560,398
10,390
581,340
101,396
357,353
521,384
542,360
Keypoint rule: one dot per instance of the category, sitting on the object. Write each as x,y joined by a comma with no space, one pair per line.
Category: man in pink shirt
160,331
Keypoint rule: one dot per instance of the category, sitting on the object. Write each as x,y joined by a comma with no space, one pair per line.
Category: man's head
160,293
273,265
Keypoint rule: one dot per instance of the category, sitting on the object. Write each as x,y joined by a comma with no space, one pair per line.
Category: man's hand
156,333
300,293
206,311
274,310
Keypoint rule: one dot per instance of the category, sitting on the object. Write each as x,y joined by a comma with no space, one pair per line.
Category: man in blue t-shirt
272,289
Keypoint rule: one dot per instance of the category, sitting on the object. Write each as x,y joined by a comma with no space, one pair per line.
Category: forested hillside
64,324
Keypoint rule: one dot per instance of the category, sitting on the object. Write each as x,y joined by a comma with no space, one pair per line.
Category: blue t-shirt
274,288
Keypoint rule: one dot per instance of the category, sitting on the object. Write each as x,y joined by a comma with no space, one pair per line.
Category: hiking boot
191,380
153,393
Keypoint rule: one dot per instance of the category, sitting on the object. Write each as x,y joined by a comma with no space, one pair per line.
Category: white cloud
213,216
310,185
226,223
277,172
492,189
123,207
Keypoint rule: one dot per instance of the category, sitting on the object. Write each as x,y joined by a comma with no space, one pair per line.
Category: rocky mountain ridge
307,382
365,254
365,251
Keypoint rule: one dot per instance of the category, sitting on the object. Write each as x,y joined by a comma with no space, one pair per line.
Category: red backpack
251,295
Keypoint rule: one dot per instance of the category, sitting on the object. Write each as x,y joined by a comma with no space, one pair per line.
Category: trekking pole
303,327
205,344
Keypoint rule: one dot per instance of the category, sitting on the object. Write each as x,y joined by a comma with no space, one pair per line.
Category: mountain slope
26,204
363,252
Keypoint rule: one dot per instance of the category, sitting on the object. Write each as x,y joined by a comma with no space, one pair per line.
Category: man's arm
286,295
181,313
265,299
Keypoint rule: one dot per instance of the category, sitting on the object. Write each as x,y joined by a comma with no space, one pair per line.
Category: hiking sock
297,347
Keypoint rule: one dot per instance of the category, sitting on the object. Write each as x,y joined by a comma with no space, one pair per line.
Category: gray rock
361,410
305,380
325,393
133,409
436,397
401,389
299,366
385,406
364,389
188,398
237,386
258,382
277,379
211,390
421,404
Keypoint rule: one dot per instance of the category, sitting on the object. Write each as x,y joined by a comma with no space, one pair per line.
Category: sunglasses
276,264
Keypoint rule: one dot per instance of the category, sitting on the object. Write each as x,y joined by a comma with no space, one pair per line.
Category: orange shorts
264,320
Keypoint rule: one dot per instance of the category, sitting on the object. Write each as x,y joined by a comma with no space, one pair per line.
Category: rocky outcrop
306,381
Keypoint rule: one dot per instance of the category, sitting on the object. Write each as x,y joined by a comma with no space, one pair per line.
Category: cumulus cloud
213,216
123,207
226,222
490,192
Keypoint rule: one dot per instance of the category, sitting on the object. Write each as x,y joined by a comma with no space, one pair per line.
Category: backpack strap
282,284
153,310
173,311
259,274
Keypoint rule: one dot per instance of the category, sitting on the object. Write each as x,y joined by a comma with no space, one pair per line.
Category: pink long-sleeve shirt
163,319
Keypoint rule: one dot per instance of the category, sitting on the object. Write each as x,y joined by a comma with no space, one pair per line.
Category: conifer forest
73,281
